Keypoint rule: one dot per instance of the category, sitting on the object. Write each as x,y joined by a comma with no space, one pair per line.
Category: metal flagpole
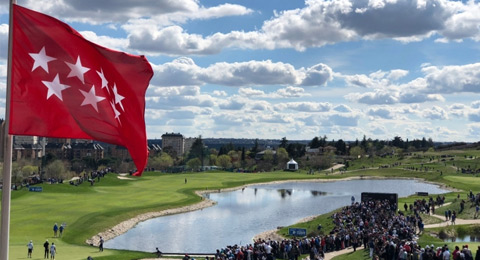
7,152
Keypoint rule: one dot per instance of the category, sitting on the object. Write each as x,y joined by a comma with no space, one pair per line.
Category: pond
244,213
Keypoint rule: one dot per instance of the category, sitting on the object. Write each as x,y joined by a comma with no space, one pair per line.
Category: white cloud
251,73
317,75
250,92
474,130
181,71
475,104
261,106
382,112
327,22
378,129
457,110
343,108
304,106
164,12
373,98
435,113
342,120
154,27
184,71
397,74
452,79
233,103
174,97
220,93
474,115
291,92
436,82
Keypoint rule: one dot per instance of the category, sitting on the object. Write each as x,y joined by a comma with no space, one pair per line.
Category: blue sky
294,69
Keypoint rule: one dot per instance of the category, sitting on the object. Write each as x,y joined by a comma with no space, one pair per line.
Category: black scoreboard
391,197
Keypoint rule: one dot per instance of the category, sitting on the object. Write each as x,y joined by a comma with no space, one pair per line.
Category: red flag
65,86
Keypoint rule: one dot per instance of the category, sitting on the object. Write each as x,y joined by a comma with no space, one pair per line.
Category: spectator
55,230
30,249
158,252
47,248
100,245
53,251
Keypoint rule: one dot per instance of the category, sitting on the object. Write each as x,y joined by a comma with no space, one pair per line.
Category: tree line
321,154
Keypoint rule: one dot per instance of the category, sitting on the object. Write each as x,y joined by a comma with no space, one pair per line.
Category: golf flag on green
65,86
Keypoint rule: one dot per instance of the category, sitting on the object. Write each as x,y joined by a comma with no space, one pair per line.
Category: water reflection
318,193
471,238
285,192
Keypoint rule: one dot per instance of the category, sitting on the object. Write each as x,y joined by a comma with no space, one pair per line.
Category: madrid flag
65,86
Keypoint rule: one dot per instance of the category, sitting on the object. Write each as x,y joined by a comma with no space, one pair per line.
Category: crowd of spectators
376,225
91,177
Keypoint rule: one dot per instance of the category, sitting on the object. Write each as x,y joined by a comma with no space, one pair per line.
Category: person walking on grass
53,251
47,248
100,245
61,228
30,249
55,230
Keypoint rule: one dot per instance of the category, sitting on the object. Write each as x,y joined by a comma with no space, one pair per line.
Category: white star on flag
55,87
41,59
91,98
117,113
118,97
77,70
104,80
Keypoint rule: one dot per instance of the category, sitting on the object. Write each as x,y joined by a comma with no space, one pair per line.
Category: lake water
242,214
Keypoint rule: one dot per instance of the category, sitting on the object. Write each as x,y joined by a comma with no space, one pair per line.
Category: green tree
17,174
198,150
161,162
315,143
224,161
55,169
356,151
341,147
213,159
296,150
194,164
282,155
170,151
254,149
283,143
29,169
268,156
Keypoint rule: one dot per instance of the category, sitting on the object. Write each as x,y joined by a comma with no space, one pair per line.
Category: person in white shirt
30,249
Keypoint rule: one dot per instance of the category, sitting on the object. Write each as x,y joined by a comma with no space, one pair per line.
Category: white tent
292,165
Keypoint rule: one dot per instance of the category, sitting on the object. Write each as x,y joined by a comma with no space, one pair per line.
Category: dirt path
331,255
458,221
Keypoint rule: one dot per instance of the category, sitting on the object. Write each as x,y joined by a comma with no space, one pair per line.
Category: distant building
188,144
26,151
61,151
174,141
154,149
81,150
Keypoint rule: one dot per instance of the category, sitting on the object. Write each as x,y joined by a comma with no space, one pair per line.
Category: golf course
88,210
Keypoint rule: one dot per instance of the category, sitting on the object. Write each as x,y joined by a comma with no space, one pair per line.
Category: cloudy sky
295,69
